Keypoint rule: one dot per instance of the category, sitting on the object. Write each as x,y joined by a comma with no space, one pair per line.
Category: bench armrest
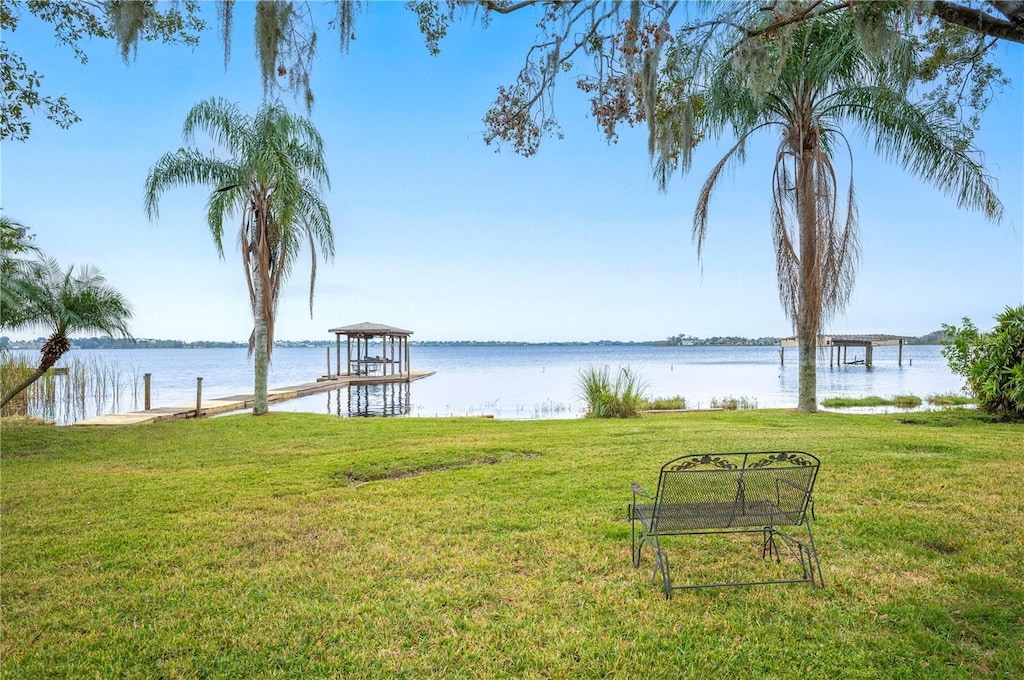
639,491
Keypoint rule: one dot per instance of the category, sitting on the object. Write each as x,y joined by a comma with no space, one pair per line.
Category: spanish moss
127,20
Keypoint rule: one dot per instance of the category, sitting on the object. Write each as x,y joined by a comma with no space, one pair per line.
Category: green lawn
300,546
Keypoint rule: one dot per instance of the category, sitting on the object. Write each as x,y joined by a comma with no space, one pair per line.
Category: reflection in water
389,399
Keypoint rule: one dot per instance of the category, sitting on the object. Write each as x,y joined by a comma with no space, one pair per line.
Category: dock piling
199,396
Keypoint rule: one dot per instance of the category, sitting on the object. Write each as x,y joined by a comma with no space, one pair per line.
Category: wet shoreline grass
905,401
899,401
298,545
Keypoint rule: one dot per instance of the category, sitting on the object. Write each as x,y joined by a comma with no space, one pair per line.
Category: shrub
623,398
991,363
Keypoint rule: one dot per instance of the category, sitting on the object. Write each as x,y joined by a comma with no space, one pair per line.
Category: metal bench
725,493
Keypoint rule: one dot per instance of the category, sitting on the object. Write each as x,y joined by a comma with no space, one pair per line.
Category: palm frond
787,260
924,142
221,120
700,213
76,299
185,167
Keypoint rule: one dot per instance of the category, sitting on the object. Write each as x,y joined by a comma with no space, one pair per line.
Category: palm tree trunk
23,385
261,350
808,397
808,315
52,350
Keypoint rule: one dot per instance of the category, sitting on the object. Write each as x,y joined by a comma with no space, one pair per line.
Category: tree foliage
285,40
74,23
628,57
991,363
621,40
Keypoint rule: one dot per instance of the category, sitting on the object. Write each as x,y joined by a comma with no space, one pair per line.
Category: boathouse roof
368,328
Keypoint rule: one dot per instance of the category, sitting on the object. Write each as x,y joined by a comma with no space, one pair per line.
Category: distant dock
838,344
240,402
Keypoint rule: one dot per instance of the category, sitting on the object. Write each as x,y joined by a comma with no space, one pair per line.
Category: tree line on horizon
912,77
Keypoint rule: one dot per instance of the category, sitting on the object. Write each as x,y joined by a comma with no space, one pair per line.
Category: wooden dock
239,402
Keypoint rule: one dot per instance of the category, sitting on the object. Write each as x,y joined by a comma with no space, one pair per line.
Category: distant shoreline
107,343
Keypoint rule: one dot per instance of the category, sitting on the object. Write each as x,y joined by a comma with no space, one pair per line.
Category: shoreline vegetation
900,401
934,338
242,547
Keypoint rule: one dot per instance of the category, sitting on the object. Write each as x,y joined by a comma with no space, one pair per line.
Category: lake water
511,381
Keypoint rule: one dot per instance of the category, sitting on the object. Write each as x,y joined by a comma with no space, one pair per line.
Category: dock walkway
239,402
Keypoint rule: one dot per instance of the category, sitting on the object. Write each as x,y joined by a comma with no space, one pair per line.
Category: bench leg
768,547
805,553
635,548
812,557
661,568
641,539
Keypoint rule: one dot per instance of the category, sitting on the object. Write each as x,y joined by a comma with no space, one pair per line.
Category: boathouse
838,344
389,361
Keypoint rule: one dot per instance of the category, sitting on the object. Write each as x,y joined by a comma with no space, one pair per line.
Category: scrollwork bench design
719,493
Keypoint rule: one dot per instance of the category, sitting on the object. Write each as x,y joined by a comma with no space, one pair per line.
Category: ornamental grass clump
625,397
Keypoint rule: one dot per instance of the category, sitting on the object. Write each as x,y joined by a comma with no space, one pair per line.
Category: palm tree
69,302
271,177
825,79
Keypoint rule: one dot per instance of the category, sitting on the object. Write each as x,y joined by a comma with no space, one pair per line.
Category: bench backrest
722,490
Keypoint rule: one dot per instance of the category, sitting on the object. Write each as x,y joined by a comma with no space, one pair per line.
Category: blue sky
437,233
